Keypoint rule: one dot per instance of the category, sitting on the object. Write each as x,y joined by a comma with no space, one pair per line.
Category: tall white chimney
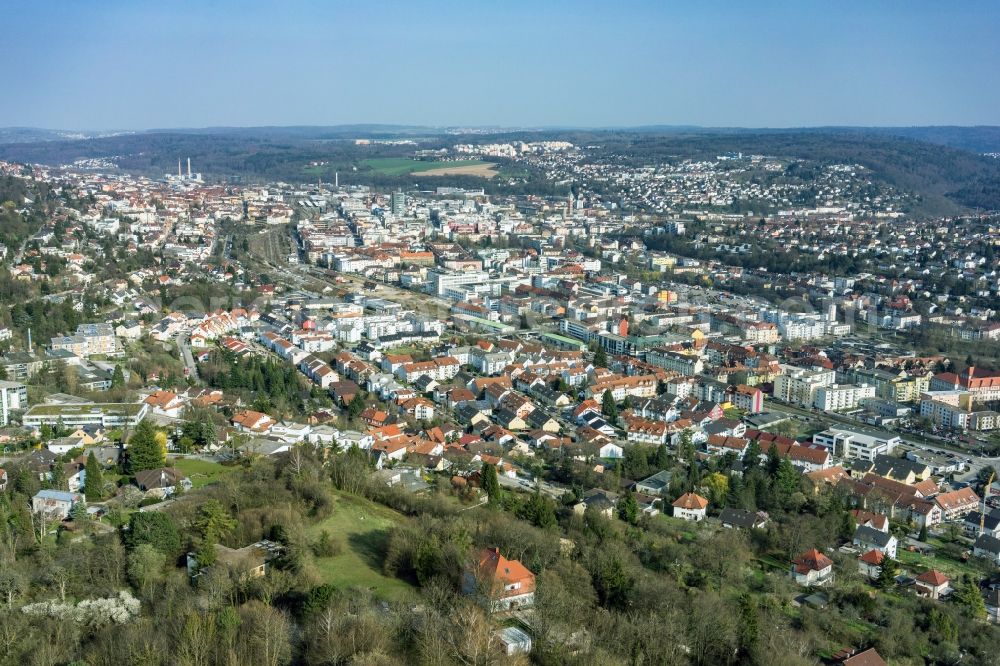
189,168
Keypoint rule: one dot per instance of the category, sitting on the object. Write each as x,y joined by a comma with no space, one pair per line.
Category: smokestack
29,340
178,167
336,179
189,168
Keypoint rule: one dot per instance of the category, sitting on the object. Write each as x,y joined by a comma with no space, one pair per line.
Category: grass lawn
400,166
362,528
951,568
404,349
201,472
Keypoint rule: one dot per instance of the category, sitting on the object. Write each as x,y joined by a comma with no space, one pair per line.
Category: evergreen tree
600,358
787,480
539,510
609,408
144,451
212,524
662,457
734,495
78,514
751,458
888,571
94,484
773,462
118,377
628,508
685,447
490,483
155,528
57,479
356,406
923,533
968,597
847,525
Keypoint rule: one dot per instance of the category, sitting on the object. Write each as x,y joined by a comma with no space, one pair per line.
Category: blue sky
132,65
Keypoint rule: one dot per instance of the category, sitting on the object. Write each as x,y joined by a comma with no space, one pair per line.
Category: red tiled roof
933,577
811,560
691,502
873,557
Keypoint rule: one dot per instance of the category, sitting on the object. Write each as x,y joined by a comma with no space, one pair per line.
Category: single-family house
733,518
870,564
690,506
868,538
812,568
987,547
932,584
251,421
507,583
55,504
161,482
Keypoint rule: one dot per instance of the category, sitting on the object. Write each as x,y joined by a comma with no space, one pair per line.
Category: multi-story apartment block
13,397
799,385
850,443
982,385
836,397
682,362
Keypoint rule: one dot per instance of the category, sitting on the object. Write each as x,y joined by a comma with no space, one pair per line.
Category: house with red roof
812,569
251,421
870,564
508,583
690,506
957,503
932,584
867,658
165,403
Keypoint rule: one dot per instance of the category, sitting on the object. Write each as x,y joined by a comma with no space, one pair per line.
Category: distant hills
944,166
34,134
976,139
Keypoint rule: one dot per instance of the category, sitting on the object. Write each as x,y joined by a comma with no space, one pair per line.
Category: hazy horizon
496,128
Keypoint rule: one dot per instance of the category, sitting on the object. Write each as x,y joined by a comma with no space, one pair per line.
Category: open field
400,166
201,472
481,170
362,527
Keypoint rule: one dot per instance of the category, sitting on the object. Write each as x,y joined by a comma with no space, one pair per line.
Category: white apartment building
836,397
439,282
802,329
948,409
856,443
799,385
13,397
684,363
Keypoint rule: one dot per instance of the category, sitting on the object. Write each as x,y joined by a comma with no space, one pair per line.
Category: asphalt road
186,356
